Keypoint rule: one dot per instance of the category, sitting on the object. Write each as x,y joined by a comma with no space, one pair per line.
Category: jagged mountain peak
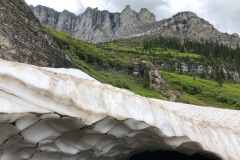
41,7
89,9
187,19
144,10
187,14
100,26
66,11
147,16
128,7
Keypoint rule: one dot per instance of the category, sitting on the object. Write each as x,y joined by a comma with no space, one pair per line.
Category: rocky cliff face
94,25
101,26
22,38
201,70
97,26
188,24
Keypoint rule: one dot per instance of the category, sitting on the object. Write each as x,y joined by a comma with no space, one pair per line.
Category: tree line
209,49
212,53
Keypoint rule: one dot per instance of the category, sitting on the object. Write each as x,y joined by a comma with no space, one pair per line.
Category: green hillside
112,63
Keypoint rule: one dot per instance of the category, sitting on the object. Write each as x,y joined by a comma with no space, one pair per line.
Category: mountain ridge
96,26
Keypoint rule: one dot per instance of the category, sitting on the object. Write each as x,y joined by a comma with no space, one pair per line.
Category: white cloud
223,14
93,4
71,5
184,5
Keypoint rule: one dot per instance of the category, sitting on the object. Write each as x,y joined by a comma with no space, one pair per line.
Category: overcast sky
223,14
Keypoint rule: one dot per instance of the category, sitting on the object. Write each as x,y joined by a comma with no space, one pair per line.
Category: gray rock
94,25
22,38
101,26
146,17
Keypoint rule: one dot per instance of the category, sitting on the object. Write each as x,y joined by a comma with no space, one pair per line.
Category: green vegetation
207,49
211,53
112,63
205,92
84,55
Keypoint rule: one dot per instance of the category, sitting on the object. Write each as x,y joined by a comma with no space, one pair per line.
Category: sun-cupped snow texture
66,114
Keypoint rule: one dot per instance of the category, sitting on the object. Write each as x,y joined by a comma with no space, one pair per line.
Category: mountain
65,114
100,26
22,38
94,25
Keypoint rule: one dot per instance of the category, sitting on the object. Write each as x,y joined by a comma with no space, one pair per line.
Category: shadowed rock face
23,40
51,113
100,26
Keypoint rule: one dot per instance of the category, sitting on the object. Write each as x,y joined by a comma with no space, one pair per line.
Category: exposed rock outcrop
97,121
202,70
100,26
94,25
189,25
156,80
22,38
151,74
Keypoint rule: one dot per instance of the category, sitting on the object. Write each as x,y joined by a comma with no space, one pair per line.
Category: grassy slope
78,50
205,92
120,55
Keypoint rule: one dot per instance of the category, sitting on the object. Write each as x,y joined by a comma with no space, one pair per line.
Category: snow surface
71,72
25,88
